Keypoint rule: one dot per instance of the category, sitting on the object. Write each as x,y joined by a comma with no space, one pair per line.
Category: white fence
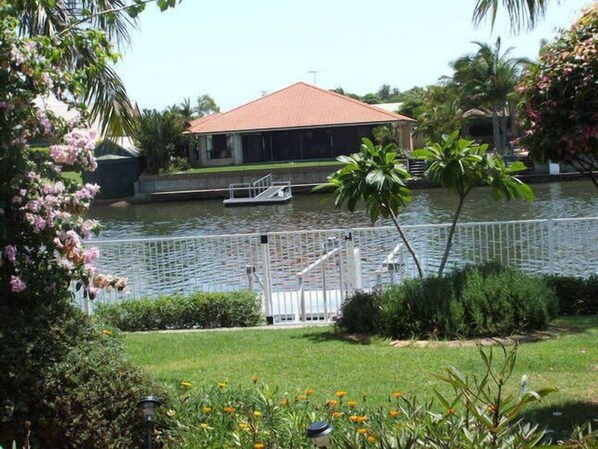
306,275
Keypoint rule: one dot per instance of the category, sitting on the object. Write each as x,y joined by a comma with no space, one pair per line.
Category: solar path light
148,406
319,432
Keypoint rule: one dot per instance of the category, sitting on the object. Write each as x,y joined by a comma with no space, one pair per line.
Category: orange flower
394,413
451,411
397,394
371,439
357,418
332,403
341,393
259,446
337,414
229,410
301,397
309,392
351,403
207,409
284,402
362,430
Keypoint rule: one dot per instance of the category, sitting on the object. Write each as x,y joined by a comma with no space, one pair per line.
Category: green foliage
478,301
160,136
577,296
560,95
479,414
522,13
198,310
89,399
377,176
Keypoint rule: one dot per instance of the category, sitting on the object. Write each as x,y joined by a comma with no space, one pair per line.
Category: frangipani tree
376,176
460,165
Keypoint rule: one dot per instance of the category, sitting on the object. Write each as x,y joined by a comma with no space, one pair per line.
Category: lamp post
148,406
319,432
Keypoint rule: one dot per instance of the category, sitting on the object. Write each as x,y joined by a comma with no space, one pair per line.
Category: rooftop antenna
314,73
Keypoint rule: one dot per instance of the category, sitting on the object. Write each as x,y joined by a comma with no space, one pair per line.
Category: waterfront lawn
318,358
270,166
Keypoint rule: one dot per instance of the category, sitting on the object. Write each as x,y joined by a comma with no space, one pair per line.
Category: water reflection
304,212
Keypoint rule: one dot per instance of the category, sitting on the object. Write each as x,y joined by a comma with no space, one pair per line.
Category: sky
237,50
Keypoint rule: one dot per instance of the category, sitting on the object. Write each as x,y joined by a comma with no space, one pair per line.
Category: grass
318,358
75,176
246,167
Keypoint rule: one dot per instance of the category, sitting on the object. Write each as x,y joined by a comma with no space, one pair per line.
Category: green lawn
315,357
245,167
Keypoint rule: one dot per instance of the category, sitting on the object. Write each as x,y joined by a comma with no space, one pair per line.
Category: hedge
198,310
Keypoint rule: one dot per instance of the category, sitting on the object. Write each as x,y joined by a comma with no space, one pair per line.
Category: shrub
486,300
577,296
89,400
198,310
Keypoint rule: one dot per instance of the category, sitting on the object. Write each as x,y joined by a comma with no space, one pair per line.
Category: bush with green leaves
197,310
477,301
482,412
577,296
89,399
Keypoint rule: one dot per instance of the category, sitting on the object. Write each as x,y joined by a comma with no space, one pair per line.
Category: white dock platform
262,191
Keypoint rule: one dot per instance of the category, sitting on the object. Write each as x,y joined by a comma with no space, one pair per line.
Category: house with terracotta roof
299,122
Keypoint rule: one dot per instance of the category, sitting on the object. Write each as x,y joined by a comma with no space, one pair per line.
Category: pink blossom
90,255
11,253
39,225
87,227
16,284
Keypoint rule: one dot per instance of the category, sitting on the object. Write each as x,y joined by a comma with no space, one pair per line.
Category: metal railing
306,275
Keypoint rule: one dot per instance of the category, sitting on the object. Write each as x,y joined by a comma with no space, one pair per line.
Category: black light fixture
319,432
148,406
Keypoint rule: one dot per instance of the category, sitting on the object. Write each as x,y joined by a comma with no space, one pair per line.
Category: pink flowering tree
42,223
560,94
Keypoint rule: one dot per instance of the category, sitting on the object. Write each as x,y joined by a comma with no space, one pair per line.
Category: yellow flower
301,397
284,402
309,391
362,430
107,332
341,393
371,439
394,413
243,426
222,384
259,446
229,410
397,394
491,408
207,409
171,413
332,403
337,414
203,425
185,384
351,403
257,413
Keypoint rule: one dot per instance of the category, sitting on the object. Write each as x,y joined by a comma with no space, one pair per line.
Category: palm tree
522,13
375,175
460,165
487,79
105,93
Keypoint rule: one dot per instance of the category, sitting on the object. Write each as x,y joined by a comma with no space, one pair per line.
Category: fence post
300,315
550,229
267,279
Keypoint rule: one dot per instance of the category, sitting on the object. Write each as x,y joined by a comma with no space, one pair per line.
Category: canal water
570,199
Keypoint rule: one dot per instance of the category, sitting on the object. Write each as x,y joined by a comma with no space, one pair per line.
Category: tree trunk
496,130
449,241
407,244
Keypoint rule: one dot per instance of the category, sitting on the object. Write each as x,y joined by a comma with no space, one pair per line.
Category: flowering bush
41,224
561,97
479,415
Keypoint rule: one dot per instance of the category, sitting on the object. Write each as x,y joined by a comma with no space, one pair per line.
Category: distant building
299,122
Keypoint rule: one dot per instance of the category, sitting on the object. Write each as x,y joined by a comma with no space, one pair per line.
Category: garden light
148,406
319,432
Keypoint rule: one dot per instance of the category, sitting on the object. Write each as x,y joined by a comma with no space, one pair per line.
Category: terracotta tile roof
297,106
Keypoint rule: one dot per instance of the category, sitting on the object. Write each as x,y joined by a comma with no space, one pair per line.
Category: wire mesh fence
306,275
